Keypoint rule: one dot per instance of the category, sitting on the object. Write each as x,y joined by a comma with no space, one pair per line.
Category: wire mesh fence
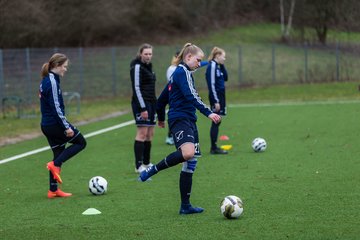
104,72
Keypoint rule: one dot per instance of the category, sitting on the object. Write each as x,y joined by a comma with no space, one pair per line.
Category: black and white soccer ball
258,144
98,185
231,207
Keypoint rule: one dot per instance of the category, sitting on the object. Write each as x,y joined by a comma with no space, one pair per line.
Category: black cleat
218,151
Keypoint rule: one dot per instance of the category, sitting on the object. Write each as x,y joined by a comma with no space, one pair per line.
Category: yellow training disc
226,147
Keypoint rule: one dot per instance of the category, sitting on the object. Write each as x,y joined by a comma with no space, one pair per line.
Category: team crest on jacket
169,87
179,135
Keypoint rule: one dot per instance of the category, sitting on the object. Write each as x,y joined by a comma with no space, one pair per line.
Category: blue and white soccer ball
231,207
258,144
98,185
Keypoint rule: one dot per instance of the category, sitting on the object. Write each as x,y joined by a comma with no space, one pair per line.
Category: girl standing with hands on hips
54,124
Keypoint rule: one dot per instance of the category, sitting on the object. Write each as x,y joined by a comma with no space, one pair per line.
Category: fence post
2,82
240,72
113,57
273,63
306,62
81,71
28,76
337,62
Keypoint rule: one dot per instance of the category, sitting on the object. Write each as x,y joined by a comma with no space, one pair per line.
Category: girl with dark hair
143,105
54,124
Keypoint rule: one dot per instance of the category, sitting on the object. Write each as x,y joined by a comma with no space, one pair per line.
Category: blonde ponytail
188,48
214,52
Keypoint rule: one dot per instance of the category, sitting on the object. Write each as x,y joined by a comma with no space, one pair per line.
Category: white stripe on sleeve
56,101
212,81
191,86
137,86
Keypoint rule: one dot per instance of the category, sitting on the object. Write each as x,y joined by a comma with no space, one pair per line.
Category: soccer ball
98,185
258,144
231,207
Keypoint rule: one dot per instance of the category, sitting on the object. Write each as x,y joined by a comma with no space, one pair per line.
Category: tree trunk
322,34
282,17
285,30
292,7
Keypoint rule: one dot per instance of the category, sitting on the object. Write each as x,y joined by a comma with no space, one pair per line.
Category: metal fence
104,72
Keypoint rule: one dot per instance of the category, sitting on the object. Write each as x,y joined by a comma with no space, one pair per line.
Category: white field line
230,105
293,103
86,136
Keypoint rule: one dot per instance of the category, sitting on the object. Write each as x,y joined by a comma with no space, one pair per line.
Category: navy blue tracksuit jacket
51,102
182,97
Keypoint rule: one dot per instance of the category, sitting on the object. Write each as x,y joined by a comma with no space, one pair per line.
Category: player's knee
141,134
149,138
189,166
188,154
188,151
140,137
150,134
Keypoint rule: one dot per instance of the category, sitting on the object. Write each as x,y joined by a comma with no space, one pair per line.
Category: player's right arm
136,86
211,80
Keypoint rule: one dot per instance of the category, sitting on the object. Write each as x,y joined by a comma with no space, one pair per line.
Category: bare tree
314,18
285,30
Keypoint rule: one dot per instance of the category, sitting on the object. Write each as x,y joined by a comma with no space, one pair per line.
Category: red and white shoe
55,171
58,193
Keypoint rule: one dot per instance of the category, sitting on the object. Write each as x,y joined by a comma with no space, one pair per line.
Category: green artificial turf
304,186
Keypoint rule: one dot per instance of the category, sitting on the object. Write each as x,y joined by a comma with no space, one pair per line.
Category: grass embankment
260,34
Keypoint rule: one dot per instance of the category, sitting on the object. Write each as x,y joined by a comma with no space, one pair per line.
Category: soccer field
304,186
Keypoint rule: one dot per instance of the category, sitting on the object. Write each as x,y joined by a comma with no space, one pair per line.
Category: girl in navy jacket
54,124
143,104
216,76
183,100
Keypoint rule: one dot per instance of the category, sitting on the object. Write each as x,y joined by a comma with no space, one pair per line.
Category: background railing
104,72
